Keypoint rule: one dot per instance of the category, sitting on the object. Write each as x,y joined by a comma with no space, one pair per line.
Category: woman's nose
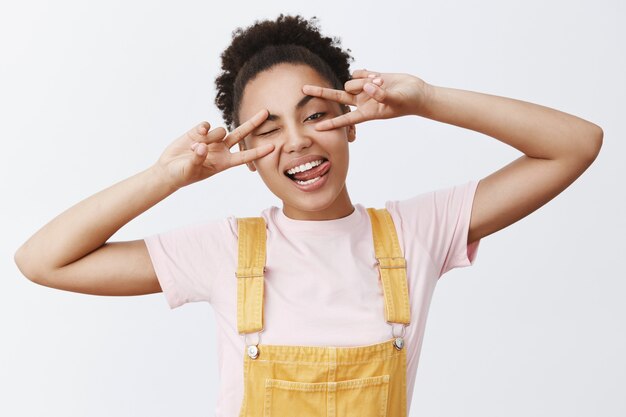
296,140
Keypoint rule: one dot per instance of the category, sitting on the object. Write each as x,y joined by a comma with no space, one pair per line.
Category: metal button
253,352
398,343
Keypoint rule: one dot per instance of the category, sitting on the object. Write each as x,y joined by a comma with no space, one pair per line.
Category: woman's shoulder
434,205
433,196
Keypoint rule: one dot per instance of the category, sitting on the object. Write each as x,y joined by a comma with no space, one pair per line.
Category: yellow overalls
316,381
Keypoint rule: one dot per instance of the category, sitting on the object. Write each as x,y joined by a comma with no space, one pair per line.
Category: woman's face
290,126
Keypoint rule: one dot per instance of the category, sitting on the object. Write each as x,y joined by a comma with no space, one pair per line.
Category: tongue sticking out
312,173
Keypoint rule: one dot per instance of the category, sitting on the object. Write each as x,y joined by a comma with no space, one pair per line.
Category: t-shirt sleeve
440,220
187,260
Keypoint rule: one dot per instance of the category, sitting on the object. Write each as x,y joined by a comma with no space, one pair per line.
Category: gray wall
92,92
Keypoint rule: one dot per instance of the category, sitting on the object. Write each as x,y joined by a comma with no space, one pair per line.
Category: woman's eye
266,133
312,117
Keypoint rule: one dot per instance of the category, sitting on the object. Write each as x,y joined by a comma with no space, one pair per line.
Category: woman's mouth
311,179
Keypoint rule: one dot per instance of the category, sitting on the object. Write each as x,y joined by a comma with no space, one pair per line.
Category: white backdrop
93,91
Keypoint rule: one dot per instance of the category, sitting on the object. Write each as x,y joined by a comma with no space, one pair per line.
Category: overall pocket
363,397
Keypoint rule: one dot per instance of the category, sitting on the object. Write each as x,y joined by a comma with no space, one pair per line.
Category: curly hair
267,43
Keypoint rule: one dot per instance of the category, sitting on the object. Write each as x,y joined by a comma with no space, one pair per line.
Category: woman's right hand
201,153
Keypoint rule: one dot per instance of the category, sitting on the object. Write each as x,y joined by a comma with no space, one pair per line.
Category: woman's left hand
375,96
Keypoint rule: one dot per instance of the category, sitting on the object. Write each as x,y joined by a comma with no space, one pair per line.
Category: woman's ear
242,147
351,133
351,128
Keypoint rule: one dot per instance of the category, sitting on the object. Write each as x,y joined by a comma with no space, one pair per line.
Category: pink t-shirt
321,284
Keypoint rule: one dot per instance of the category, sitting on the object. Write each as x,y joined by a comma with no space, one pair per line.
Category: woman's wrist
161,179
425,100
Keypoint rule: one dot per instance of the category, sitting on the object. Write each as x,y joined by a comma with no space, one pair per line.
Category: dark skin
558,147
73,252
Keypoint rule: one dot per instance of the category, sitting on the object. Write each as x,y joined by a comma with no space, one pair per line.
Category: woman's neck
341,207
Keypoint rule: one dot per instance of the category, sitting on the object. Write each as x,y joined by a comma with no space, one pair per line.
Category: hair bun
284,30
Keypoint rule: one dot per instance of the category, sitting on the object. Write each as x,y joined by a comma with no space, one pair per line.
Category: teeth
304,167
312,180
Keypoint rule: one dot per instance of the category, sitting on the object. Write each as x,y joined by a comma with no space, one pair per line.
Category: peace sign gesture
375,95
201,153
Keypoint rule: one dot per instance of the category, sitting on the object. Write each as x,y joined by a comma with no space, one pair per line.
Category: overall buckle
391,262
398,340
252,349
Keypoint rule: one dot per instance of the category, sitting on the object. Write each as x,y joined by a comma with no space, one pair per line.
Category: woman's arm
71,252
558,147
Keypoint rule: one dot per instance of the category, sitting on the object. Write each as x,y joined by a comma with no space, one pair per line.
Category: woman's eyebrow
303,101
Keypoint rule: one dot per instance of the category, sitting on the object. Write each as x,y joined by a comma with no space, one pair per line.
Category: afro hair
266,43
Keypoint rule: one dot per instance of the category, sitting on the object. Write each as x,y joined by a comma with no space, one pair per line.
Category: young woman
338,292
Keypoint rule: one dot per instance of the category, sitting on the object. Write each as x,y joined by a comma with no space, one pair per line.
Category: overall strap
250,274
391,265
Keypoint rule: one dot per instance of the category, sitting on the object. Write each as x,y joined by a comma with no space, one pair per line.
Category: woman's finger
244,129
356,86
363,73
350,118
215,135
243,157
375,91
199,153
339,96
198,132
